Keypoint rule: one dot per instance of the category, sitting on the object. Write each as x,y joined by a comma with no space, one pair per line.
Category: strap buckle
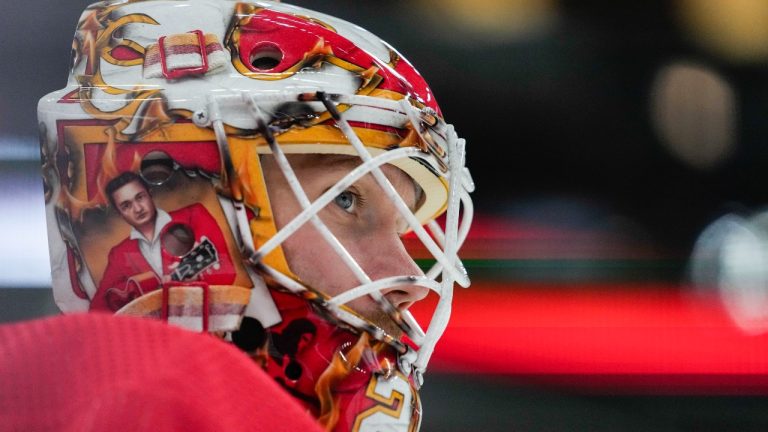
183,71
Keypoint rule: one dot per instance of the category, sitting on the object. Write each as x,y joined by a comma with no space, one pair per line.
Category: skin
363,219
135,205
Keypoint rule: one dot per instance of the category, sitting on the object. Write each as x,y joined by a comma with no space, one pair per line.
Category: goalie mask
185,131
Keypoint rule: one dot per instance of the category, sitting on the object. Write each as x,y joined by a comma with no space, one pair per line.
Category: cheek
126,214
316,263
304,250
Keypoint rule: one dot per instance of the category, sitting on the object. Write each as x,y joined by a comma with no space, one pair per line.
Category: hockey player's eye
348,201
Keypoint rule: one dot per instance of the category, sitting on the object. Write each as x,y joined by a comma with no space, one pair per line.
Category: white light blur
730,259
24,255
19,149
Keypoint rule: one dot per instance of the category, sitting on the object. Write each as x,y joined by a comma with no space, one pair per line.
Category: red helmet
159,200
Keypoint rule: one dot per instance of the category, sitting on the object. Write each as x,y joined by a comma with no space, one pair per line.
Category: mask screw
200,118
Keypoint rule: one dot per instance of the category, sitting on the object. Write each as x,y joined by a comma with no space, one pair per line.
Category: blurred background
620,155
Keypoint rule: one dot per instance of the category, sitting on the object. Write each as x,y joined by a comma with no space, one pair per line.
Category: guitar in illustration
197,260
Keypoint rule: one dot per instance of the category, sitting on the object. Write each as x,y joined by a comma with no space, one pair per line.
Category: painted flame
339,369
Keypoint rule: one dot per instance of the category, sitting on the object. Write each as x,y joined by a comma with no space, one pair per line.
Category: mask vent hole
265,57
178,239
157,167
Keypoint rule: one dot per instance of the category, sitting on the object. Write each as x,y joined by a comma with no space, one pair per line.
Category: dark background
558,113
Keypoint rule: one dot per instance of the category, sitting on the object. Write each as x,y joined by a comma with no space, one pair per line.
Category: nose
386,256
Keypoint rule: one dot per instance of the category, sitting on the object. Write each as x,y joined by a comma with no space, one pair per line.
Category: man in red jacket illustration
159,241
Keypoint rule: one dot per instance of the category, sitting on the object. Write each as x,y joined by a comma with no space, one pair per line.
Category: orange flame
109,168
337,371
73,205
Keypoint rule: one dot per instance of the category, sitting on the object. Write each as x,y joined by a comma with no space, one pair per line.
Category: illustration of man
152,253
